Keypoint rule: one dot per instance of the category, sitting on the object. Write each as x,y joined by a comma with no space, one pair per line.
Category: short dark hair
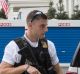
35,14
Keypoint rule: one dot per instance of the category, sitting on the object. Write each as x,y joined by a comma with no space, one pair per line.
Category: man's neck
31,37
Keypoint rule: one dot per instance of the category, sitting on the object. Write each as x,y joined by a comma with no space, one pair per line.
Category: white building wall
68,4
25,11
27,5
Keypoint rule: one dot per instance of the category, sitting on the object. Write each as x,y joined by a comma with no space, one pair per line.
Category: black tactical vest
35,56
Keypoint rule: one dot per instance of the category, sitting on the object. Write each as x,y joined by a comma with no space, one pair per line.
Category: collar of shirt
33,44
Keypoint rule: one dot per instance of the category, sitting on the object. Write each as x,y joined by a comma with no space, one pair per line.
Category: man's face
39,27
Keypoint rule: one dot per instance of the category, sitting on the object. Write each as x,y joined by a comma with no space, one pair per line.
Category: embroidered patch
17,58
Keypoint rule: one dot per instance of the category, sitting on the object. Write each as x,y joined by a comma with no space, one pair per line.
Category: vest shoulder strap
19,42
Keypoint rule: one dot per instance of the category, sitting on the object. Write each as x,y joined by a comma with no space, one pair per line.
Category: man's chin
42,37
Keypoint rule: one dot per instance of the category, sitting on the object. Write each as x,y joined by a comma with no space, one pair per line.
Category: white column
79,4
71,7
10,12
67,6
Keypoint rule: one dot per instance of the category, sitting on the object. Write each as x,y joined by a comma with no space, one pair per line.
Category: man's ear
29,24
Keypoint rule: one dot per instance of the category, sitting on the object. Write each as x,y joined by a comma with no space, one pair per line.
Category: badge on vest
44,44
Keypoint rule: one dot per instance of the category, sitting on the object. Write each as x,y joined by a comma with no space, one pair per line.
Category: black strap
19,42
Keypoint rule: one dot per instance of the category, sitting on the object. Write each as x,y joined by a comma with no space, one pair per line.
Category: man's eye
42,26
